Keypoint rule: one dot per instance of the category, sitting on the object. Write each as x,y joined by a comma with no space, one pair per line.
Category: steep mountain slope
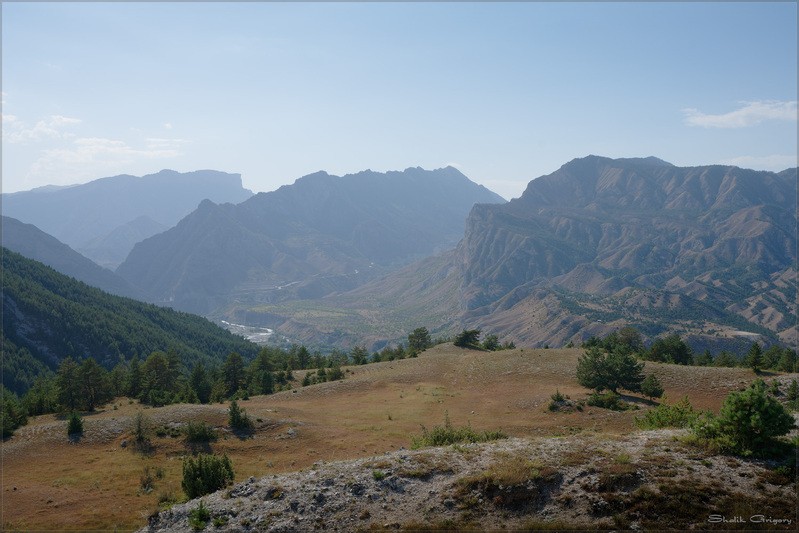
640,241
705,251
322,234
111,249
48,316
33,243
85,216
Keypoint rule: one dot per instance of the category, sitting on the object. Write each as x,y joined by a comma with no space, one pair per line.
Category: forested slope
48,316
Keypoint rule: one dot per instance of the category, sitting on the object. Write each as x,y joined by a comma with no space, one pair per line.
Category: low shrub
141,431
199,432
148,477
607,400
447,434
678,415
206,474
199,517
74,424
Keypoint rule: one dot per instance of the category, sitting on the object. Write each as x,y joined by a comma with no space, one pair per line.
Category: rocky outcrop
642,481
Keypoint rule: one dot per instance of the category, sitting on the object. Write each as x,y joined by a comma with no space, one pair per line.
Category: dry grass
50,483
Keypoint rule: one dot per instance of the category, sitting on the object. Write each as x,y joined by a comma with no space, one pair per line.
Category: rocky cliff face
639,240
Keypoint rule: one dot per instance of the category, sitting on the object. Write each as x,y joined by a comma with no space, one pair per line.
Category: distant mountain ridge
104,218
33,243
598,244
321,234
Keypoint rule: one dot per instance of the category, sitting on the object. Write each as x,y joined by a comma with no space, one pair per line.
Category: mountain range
104,218
709,252
320,235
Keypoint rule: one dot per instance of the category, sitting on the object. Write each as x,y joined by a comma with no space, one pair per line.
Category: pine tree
419,340
233,374
600,370
754,359
200,383
468,338
751,418
93,384
12,412
238,419
69,386
704,359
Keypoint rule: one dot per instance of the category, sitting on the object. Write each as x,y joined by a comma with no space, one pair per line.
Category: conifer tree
754,359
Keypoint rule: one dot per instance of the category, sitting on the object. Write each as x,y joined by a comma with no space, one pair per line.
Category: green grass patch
447,434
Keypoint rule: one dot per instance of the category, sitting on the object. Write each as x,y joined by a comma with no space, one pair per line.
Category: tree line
672,349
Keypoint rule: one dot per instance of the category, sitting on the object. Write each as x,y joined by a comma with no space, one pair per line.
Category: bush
749,421
142,427
199,517
446,434
238,419
679,415
206,474
607,400
651,387
74,424
148,477
199,432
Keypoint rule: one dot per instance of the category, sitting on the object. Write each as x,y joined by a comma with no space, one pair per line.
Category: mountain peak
598,159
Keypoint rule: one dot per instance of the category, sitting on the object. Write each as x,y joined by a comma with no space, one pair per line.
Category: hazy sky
504,92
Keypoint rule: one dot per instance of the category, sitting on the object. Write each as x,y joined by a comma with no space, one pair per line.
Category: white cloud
154,143
9,119
52,128
774,162
4,97
167,125
95,156
750,114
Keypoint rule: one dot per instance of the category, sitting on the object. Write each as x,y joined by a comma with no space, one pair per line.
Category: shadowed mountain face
33,243
320,235
104,218
601,243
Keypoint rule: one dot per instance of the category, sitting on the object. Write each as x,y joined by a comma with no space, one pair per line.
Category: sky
505,92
